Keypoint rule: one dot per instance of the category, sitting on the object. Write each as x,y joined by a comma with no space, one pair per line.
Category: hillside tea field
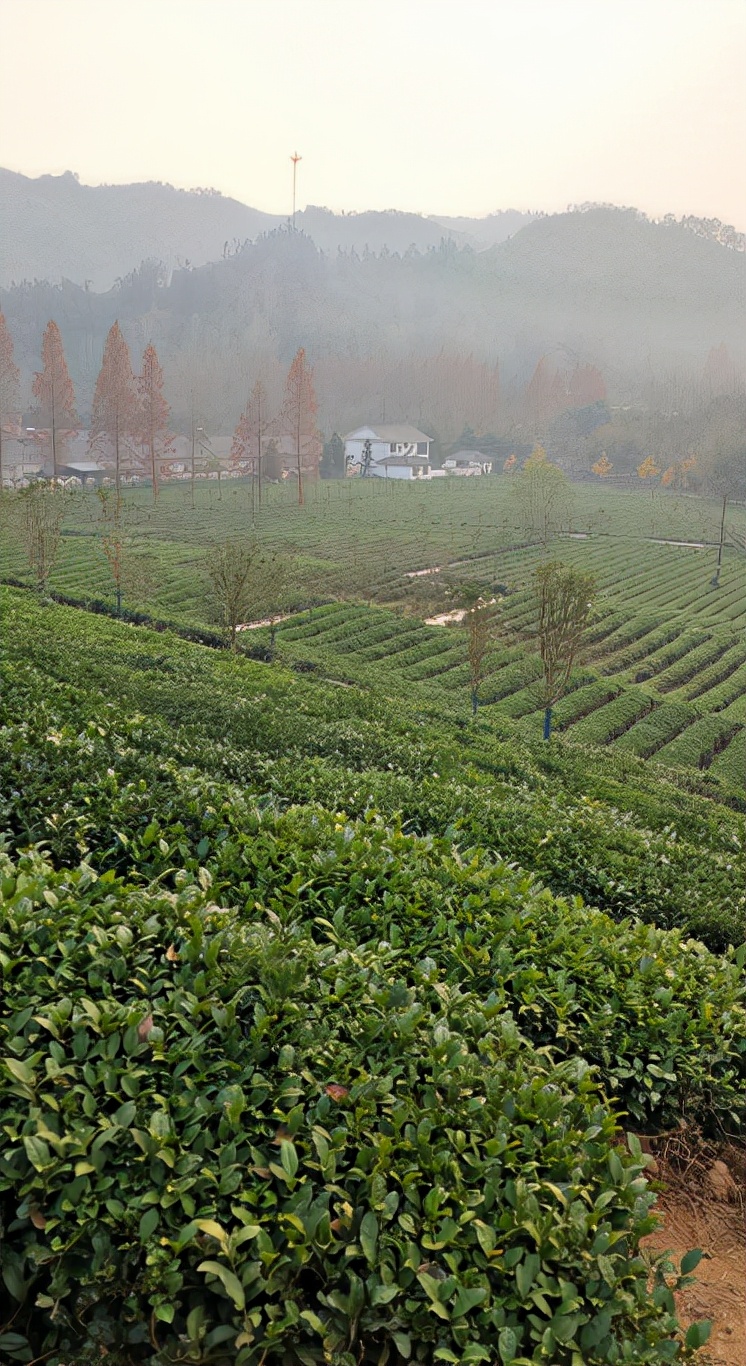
326,1009
664,672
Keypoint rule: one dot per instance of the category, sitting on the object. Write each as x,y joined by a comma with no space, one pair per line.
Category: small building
468,463
84,470
366,447
401,467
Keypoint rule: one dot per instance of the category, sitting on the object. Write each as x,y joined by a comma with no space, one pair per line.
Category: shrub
291,1153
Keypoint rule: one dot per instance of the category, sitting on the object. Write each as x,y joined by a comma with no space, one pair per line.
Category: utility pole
295,159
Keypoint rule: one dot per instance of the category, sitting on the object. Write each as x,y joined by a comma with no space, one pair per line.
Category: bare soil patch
709,1214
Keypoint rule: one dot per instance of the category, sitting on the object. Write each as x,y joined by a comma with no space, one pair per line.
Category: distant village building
386,448
86,471
401,467
468,463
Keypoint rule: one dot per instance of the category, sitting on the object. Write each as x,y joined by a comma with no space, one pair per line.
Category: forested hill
53,228
605,286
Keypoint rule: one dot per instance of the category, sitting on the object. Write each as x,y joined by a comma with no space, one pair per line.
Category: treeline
420,334
130,427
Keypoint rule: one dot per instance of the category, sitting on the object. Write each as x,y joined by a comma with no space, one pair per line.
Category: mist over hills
600,286
53,228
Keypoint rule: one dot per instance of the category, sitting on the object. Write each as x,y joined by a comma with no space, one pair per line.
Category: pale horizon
431,108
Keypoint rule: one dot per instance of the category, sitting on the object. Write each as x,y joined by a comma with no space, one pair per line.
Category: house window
422,447
392,448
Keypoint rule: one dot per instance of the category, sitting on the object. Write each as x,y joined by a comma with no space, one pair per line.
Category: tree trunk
715,581
547,722
54,443
474,701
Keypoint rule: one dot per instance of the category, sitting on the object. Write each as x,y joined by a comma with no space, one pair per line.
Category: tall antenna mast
295,159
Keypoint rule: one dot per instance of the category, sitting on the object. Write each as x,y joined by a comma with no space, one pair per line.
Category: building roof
397,432
83,466
469,457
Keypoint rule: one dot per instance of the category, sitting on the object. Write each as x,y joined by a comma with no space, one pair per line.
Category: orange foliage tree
648,469
510,464
53,389
154,414
603,466
115,413
9,376
251,436
298,419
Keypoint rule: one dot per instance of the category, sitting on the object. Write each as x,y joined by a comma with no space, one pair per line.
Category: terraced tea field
664,675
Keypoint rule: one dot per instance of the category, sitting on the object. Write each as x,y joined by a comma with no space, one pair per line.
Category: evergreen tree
9,376
299,418
53,389
154,414
114,417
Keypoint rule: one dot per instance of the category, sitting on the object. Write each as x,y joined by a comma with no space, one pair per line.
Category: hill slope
604,286
53,228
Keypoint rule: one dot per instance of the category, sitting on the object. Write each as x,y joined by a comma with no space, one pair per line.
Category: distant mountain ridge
53,228
601,286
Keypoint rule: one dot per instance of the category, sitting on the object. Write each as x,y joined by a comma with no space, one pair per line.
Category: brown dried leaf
171,954
336,1092
37,1218
144,1028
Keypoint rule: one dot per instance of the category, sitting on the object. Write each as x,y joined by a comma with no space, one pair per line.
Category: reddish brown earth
708,1213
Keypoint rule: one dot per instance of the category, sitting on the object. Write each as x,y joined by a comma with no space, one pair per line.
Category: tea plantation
325,1010
664,675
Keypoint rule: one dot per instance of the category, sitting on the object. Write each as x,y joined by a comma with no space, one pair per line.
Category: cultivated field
664,674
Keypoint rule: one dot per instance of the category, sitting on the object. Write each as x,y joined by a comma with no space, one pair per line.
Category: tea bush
603,827
226,1142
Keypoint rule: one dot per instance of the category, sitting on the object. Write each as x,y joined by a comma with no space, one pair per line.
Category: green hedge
226,1142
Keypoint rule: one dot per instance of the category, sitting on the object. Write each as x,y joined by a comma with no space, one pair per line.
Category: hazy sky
450,106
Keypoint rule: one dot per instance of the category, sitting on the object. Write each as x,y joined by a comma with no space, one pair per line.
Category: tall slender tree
53,389
154,415
9,376
564,601
298,419
252,435
114,419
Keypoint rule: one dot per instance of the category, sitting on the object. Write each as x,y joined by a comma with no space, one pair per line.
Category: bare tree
246,581
541,496
251,437
132,574
229,568
477,604
43,508
564,600
727,480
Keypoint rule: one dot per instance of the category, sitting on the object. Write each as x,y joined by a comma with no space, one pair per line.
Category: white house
468,463
369,447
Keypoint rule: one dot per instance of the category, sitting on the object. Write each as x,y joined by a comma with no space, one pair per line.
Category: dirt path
692,1220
